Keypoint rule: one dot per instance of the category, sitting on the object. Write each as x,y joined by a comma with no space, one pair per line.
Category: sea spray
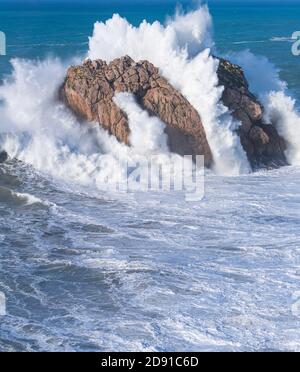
147,133
181,50
37,129
41,131
281,110
280,107
156,168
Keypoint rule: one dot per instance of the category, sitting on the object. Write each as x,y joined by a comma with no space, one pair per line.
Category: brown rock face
261,141
89,91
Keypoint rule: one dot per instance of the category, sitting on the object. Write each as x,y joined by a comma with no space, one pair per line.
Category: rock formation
261,141
89,90
3,156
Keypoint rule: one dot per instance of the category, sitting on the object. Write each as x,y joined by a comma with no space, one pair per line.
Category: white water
280,108
181,50
38,130
147,133
84,271
9,196
152,273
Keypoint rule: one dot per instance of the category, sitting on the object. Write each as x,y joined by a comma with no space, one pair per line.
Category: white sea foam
10,196
39,130
280,110
281,39
125,281
262,75
147,133
181,50
280,107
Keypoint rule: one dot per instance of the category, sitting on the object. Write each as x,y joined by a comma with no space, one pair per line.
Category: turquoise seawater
61,29
84,269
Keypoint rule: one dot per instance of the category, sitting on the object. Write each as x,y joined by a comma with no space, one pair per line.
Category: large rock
89,90
261,141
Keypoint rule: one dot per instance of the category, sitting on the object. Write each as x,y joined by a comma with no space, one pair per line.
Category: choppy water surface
87,270
82,271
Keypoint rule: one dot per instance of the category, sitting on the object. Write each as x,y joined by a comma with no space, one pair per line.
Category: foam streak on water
152,272
85,269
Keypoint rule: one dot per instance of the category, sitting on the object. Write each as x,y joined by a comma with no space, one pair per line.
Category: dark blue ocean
83,269
62,29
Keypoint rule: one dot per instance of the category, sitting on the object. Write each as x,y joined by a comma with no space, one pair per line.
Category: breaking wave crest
280,107
37,129
20,199
181,50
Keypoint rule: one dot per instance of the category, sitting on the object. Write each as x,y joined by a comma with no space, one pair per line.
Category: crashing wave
39,130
